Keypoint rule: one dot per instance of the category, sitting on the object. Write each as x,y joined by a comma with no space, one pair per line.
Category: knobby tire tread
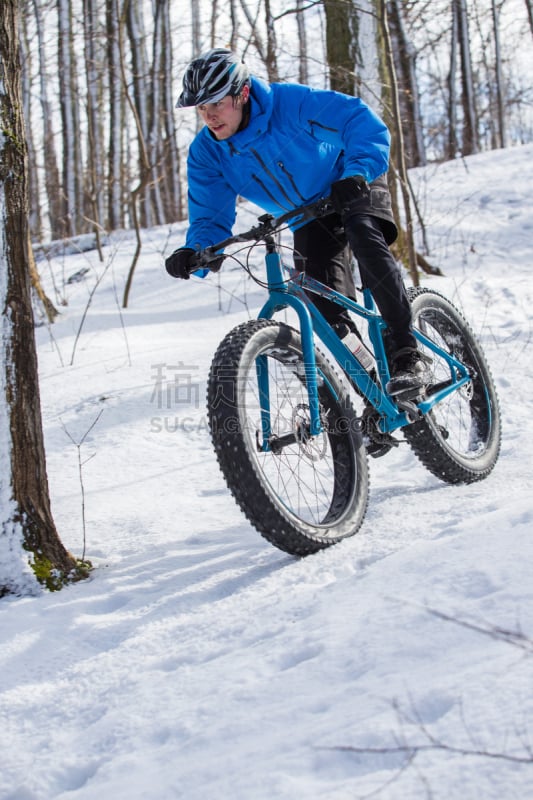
425,441
237,465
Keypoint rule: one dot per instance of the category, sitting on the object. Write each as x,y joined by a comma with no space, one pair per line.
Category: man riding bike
284,145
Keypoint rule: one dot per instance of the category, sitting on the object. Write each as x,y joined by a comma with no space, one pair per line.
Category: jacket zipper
271,175
319,125
275,200
284,169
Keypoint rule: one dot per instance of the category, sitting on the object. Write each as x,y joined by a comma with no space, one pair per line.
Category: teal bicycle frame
393,413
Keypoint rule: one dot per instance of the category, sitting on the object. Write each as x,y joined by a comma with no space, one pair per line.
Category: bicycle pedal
377,449
376,442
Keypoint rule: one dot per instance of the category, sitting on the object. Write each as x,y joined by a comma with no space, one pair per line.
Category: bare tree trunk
144,165
271,54
470,139
234,25
116,191
95,159
214,17
155,141
303,72
452,92
196,38
30,548
72,171
53,180
171,161
196,28
369,71
255,36
141,94
404,59
500,114
341,44
407,235
35,218
529,7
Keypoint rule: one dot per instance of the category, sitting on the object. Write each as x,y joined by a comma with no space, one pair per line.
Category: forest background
104,149
199,662
107,148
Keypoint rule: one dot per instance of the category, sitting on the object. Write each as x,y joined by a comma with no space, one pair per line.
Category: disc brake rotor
313,447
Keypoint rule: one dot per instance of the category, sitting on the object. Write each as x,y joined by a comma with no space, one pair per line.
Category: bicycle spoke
302,475
302,492
459,439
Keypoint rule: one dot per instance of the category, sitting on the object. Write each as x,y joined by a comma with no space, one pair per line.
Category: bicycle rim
465,425
301,492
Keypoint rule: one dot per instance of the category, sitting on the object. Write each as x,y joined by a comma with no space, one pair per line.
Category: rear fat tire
459,440
315,492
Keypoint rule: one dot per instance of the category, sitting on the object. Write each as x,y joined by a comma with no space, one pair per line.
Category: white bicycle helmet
212,76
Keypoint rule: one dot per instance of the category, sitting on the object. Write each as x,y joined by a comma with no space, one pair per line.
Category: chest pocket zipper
276,181
284,169
266,191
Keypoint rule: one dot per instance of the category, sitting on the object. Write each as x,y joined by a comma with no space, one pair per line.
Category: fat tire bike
289,441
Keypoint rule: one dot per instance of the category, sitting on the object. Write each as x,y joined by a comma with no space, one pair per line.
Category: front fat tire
459,439
315,492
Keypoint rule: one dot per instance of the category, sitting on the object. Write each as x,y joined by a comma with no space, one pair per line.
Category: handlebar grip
208,258
195,262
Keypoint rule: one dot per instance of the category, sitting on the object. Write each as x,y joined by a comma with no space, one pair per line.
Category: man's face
223,118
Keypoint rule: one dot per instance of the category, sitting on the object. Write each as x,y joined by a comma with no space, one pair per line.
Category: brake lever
202,258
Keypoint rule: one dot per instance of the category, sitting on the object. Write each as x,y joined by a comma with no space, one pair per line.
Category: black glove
182,262
346,192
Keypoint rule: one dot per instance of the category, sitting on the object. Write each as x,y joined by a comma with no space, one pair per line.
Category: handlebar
268,225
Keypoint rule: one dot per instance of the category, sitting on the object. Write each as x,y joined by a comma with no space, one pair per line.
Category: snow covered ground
199,661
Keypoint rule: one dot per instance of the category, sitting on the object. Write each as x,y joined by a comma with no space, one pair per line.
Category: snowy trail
200,662
165,665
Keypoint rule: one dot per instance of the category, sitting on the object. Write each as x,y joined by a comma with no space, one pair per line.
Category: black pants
321,250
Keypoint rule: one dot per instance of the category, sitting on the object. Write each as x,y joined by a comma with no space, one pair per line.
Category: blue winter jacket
297,142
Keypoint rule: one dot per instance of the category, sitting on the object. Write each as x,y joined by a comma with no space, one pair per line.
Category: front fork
279,297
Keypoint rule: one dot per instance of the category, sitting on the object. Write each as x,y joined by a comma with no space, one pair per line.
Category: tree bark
52,183
452,92
116,189
95,134
500,111
35,216
303,72
341,44
134,16
271,54
173,194
405,61
470,143
30,548
529,7
72,217
155,140
254,37
144,166
406,237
